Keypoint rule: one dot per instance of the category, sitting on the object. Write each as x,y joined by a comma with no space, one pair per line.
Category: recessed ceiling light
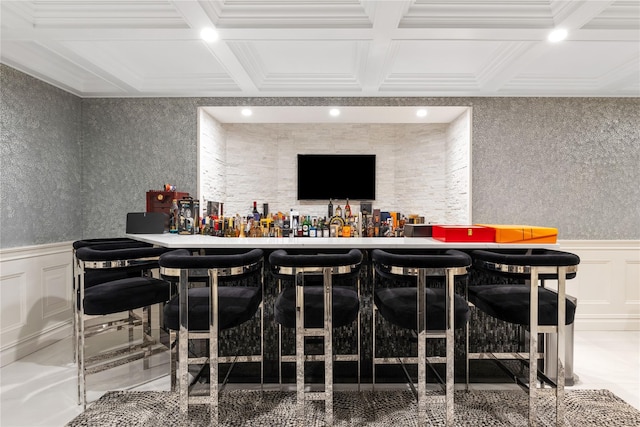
421,112
246,112
334,112
209,34
557,35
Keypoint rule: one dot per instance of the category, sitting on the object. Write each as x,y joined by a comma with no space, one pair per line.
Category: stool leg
422,347
328,348
147,338
300,350
183,345
213,348
449,293
560,408
173,355
533,345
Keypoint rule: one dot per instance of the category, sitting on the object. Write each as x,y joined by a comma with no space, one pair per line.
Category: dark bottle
347,210
256,214
330,209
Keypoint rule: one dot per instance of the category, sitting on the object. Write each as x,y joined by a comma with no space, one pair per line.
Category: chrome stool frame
147,261
118,242
421,274
299,274
534,274
211,271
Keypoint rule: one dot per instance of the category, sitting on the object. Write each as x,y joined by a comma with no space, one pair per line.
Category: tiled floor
40,389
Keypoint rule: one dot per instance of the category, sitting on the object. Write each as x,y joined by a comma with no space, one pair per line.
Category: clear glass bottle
347,210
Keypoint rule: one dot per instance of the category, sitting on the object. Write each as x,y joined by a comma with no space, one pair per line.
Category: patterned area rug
585,408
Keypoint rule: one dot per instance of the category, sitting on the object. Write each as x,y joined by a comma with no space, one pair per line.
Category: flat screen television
336,176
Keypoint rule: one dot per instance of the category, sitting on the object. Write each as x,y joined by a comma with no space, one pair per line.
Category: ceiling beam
386,18
197,18
580,13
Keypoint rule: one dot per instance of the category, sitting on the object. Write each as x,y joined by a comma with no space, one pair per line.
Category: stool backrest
393,265
285,264
227,266
517,263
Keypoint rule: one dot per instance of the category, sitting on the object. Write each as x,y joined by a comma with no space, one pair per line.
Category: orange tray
523,233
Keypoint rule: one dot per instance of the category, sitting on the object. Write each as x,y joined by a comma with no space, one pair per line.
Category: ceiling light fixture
421,112
557,35
334,112
209,34
246,112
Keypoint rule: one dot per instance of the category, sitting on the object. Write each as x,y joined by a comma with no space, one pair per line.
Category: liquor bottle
338,211
347,210
173,226
306,225
254,212
330,209
313,230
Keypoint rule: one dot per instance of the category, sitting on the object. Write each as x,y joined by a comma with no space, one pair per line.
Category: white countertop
176,241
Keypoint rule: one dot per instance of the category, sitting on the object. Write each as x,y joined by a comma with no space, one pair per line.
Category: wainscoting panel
35,287
607,285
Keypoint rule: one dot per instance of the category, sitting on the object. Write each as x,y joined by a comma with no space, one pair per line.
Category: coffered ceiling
150,48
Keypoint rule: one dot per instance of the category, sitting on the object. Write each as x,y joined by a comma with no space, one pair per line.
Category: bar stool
115,278
314,307
530,305
94,277
430,312
233,296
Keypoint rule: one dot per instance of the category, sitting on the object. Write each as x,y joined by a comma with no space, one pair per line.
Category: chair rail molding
35,297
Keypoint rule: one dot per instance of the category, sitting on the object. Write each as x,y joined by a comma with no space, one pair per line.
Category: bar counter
484,330
182,241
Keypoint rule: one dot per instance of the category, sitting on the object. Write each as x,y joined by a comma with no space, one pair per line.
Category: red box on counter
463,233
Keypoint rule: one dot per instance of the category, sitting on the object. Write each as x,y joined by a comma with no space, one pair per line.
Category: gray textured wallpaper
40,162
571,163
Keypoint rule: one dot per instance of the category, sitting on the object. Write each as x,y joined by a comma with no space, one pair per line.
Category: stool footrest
407,360
108,364
503,356
291,358
314,332
315,395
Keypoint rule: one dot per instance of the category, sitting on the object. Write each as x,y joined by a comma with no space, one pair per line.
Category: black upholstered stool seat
398,306
346,305
510,303
237,304
125,294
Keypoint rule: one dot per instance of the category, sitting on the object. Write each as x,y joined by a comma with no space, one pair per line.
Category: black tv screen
336,176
